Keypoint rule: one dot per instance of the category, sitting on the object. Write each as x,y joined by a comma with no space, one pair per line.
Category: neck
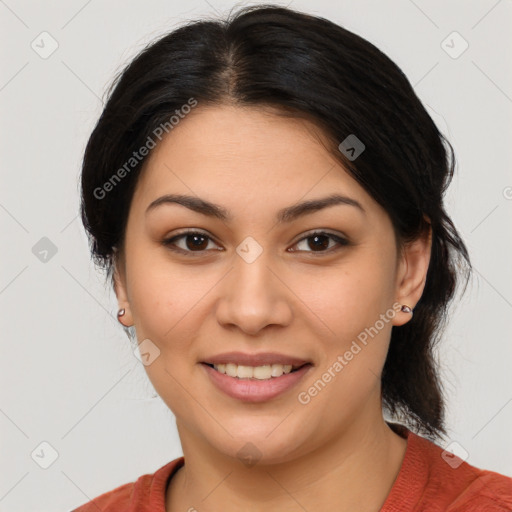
354,470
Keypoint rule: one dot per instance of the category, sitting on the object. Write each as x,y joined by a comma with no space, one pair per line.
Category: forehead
246,157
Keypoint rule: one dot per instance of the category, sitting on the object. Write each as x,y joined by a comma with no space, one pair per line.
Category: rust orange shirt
428,481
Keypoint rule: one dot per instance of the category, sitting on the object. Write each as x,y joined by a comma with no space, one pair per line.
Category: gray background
68,375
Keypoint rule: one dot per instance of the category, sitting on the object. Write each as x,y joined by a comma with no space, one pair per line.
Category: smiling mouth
264,372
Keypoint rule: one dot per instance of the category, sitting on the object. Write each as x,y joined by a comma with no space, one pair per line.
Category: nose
254,295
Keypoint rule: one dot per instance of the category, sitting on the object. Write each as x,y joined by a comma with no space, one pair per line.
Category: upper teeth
258,372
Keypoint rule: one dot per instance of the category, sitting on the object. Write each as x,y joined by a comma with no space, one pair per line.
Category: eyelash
169,243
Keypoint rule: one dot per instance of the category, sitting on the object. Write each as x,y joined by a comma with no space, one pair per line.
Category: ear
120,289
412,273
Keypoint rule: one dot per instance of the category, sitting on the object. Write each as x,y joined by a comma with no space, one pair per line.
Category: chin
269,441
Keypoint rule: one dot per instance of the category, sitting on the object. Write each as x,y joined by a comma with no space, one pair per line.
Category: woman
266,194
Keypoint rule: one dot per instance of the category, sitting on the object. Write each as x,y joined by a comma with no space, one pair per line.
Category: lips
254,390
261,359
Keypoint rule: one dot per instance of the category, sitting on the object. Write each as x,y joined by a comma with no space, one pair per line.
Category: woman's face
259,282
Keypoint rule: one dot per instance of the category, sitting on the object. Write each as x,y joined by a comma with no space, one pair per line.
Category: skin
335,452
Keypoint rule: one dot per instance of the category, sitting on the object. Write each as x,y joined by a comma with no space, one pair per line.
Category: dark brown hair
306,66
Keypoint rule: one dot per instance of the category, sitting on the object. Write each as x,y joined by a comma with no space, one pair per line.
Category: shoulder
109,501
145,494
462,486
489,491
432,479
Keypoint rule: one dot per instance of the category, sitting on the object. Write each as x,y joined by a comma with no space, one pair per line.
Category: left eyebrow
285,215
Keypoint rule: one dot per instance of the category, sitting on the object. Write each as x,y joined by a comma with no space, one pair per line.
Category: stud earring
120,313
406,309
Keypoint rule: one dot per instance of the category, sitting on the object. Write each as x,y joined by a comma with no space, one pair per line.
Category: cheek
165,309
161,294
349,298
352,351
161,305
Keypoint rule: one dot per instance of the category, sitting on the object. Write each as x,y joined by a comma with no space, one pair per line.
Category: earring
120,313
406,309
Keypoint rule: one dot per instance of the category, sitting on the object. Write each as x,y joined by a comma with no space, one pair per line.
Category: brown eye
319,242
197,242
191,241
